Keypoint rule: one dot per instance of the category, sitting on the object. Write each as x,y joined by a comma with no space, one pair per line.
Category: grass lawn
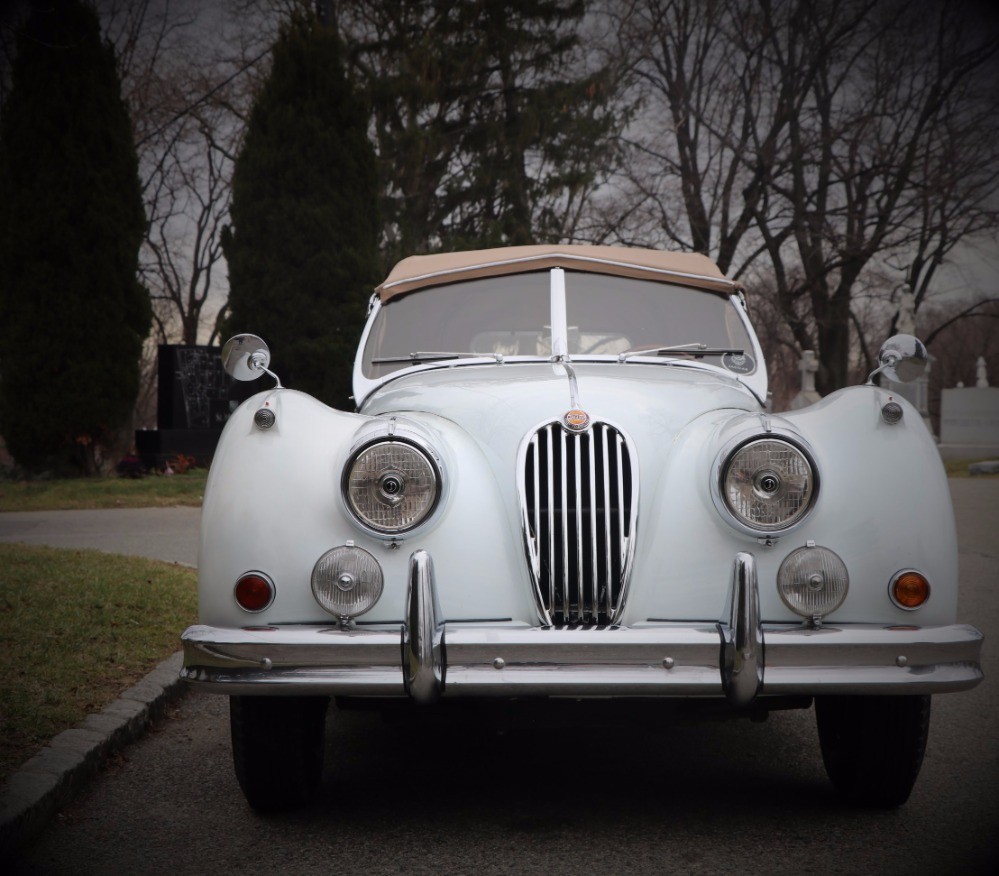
111,492
78,628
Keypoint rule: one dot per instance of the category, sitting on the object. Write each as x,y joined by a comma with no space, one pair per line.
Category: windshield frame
756,382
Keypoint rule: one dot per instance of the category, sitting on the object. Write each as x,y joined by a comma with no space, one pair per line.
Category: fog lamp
347,581
909,589
812,581
254,591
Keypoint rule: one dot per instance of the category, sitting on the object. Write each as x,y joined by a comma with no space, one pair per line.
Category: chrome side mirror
902,359
246,357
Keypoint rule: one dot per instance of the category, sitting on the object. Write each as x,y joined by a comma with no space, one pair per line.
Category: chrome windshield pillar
742,641
423,663
560,331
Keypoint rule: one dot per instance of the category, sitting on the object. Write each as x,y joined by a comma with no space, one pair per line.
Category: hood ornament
576,420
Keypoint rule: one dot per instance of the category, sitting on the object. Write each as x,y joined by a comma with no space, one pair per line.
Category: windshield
511,316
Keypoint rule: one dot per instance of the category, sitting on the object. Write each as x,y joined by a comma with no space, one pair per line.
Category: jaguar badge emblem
576,420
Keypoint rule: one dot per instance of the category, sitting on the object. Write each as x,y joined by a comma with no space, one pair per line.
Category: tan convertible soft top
686,268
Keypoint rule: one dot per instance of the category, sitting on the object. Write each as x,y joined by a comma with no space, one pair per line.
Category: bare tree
688,183
834,148
188,84
183,246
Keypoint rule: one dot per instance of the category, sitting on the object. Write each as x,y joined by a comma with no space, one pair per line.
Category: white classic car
563,481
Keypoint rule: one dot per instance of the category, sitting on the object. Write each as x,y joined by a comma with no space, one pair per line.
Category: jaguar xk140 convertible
563,482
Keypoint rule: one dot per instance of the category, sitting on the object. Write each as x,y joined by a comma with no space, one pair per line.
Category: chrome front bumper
427,658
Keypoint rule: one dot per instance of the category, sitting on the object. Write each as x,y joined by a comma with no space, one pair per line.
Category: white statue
981,377
808,365
906,321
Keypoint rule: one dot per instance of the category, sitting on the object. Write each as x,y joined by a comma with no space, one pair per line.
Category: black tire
872,746
277,749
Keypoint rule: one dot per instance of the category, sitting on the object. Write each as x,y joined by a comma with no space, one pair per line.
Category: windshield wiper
696,350
419,358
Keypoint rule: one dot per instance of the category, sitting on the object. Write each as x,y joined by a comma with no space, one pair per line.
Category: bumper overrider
427,658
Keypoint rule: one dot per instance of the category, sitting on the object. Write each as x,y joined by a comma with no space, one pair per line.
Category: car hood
497,405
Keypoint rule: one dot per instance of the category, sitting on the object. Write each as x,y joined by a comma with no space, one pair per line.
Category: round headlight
812,581
391,486
347,581
768,484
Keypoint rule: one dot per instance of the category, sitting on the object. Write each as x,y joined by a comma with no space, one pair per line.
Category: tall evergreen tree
71,224
303,245
489,128
538,134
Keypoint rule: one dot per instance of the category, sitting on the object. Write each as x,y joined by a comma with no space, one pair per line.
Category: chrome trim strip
532,545
742,663
560,329
665,660
423,646
620,496
628,552
533,556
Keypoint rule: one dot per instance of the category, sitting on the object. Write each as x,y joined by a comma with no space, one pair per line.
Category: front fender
885,503
272,504
883,506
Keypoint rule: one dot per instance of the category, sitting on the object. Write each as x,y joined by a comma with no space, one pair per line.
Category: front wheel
872,746
277,748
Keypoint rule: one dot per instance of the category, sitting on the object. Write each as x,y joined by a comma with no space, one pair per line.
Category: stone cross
808,365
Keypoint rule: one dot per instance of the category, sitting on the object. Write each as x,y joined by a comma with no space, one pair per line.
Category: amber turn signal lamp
254,591
909,589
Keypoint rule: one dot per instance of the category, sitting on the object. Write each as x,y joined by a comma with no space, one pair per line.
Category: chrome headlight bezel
723,464
400,439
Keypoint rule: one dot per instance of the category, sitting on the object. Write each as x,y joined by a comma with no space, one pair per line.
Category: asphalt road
169,534
427,797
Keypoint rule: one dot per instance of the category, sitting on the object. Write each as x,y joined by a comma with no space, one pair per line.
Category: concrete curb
50,779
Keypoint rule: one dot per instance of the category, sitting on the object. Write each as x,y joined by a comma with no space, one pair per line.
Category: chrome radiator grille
579,495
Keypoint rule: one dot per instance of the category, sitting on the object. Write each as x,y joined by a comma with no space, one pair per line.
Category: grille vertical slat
566,608
578,533
579,500
608,542
550,540
594,567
